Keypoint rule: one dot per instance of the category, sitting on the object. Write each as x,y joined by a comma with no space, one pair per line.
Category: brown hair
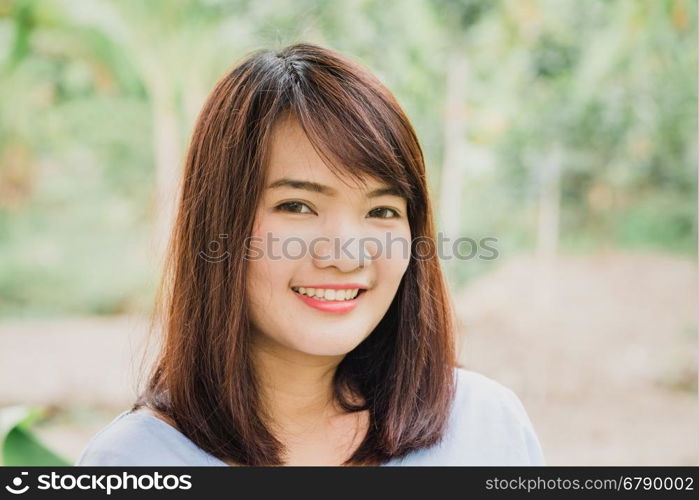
202,378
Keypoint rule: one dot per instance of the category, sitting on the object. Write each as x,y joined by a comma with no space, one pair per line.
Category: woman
323,334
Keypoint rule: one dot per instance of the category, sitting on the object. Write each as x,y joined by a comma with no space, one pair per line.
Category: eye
293,207
383,210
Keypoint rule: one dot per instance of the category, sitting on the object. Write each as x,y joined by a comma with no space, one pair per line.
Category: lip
331,306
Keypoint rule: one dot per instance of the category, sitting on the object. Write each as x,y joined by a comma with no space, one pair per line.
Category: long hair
203,378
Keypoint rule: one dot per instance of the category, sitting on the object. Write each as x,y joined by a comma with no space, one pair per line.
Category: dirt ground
602,351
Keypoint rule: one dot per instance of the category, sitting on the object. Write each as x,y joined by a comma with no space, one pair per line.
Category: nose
346,250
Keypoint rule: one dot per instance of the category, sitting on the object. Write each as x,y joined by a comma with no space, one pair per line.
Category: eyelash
281,208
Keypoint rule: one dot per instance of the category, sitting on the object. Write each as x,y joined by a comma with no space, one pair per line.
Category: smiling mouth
333,295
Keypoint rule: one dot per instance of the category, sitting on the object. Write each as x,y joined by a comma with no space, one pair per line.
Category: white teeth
328,294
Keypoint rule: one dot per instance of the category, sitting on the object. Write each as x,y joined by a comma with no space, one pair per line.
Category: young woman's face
316,234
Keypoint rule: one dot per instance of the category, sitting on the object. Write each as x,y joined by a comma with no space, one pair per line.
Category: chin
328,347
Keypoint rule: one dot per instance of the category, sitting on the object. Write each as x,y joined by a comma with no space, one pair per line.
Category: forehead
292,155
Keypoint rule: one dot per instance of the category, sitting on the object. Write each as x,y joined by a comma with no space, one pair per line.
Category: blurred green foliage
83,85
18,443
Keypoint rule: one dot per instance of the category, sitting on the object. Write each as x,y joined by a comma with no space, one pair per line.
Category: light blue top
487,426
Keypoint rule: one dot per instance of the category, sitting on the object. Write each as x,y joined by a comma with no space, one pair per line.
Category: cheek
397,253
277,241
258,287
268,294
392,270
269,271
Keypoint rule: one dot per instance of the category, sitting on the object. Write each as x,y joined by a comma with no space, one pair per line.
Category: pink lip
330,305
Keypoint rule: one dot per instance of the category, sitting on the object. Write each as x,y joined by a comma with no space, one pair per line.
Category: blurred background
565,129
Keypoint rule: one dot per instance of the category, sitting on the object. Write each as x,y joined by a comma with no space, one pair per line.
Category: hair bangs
349,122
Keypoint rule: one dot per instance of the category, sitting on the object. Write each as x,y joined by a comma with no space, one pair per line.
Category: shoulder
139,438
491,419
488,425
479,395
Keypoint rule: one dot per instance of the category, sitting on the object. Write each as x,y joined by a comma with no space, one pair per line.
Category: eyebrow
327,190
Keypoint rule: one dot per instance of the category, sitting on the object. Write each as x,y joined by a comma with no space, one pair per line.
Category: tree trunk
549,205
455,147
545,288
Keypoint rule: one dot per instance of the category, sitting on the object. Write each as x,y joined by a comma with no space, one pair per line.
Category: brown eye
381,211
294,207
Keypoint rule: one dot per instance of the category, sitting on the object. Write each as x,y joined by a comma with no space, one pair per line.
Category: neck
296,388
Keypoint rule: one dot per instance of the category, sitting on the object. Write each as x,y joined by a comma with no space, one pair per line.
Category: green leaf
20,447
